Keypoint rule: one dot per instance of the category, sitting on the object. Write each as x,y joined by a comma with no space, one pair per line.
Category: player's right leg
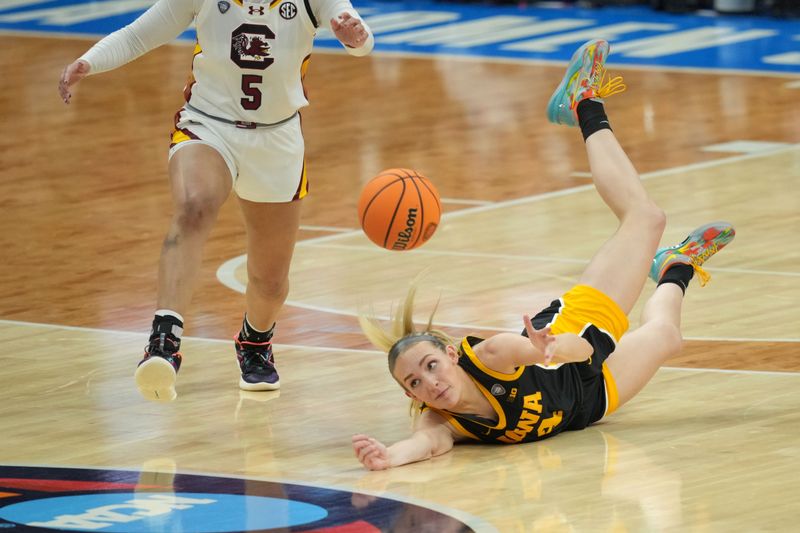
619,269
200,182
641,352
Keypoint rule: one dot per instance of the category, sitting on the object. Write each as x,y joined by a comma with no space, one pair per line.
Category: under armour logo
255,10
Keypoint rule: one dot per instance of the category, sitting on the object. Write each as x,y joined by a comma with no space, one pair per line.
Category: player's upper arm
505,352
160,24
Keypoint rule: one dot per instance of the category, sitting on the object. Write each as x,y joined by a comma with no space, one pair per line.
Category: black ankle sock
592,117
679,274
170,326
249,333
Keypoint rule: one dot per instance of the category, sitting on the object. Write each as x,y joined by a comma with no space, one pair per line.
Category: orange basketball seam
421,210
375,196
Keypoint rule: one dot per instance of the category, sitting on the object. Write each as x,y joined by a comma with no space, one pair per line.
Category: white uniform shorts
267,164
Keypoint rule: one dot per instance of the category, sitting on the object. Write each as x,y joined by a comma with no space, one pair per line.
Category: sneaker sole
244,385
155,379
573,68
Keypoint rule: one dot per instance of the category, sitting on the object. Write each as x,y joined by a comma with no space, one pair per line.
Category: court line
450,57
730,371
131,334
330,229
455,253
466,202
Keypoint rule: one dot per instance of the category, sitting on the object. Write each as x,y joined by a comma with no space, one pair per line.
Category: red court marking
55,485
354,527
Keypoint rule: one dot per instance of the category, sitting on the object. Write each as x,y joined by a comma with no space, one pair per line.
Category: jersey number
254,93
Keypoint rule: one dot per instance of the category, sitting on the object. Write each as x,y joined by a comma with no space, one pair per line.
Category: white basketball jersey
250,58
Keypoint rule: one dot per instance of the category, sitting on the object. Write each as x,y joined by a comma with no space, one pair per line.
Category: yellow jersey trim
494,373
612,396
303,182
501,416
178,137
454,422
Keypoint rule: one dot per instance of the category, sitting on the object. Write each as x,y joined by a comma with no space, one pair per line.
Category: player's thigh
201,167
639,355
620,267
271,163
199,176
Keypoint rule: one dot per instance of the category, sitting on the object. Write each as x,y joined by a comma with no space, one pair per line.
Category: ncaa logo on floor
116,501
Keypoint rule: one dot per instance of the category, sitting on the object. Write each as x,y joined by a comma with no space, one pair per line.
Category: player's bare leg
641,352
619,268
200,182
271,236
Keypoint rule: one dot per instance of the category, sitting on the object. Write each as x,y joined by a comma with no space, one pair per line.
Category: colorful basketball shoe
156,374
695,250
257,365
585,78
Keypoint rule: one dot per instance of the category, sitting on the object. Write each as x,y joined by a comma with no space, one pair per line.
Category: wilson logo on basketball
405,236
399,209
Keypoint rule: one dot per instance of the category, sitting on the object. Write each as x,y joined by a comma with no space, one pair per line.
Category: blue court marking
130,512
639,35
36,499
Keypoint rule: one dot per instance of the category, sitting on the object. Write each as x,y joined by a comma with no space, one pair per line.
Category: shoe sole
262,386
574,67
155,379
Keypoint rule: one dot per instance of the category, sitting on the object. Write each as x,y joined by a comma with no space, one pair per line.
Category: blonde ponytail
402,333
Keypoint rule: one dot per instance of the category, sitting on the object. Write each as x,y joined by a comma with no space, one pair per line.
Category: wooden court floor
712,444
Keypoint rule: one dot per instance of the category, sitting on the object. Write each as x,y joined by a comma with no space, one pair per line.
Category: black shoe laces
161,346
257,360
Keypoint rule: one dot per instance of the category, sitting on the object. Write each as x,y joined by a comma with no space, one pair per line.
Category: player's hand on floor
349,30
371,452
70,76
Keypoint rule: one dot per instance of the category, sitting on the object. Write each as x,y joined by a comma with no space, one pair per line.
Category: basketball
399,209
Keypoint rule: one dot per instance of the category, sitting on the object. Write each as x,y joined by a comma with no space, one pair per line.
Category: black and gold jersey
533,403
538,401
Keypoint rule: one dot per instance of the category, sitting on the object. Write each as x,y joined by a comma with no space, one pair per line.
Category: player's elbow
573,348
439,442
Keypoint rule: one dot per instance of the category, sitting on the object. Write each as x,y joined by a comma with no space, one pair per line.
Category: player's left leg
619,267
271,236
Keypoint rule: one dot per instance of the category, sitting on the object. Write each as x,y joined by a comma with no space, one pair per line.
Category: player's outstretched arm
431,438
160,24
505,352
